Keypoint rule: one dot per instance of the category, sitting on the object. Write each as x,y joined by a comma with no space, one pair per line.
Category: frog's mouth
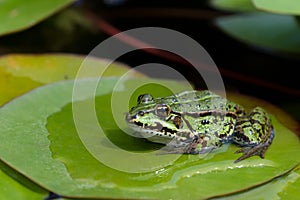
147,130
157,127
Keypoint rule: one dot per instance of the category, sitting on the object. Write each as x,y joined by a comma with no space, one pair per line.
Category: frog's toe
242,150
258,150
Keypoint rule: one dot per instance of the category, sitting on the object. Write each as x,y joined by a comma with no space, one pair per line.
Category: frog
198,122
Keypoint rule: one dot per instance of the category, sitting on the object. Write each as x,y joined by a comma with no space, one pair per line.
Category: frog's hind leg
254,133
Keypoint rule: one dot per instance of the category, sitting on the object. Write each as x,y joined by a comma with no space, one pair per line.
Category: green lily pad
50,68
233,5
21,73
16,15
268,31
292,192
18,187
276,189
289,7
112,164
11,86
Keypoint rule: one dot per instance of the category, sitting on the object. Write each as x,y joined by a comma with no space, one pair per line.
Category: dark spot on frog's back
204,122
240,137
204,114
223,135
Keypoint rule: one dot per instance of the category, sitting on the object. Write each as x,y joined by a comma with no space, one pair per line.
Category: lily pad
292,191
21,73
233,5
93,164
269,31
276,189
16,15
288,7
25,188
50,68
11,86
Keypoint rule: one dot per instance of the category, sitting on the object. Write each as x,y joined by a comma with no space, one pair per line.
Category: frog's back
201,101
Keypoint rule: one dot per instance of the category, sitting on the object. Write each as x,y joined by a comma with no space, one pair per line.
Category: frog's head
153,117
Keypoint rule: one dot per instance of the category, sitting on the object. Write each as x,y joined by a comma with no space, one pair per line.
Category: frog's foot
257,150
254,133
251,151
176,146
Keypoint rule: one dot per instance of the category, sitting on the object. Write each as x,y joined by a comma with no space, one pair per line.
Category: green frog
194,122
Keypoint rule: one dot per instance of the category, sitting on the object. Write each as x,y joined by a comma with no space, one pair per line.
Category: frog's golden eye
162,110
145,98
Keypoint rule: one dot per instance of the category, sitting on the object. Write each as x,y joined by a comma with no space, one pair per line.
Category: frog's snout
129,118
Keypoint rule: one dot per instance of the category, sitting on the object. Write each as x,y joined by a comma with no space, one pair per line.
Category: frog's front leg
196,144
203,144
254,133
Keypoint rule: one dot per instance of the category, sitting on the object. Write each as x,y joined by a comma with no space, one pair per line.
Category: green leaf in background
289,7
268,31
61,32
16,15
61,163
233,5
21,73
12,86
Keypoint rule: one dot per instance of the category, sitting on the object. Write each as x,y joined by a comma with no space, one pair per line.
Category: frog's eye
145,98
162,110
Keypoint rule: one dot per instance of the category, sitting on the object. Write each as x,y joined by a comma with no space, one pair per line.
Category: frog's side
199,121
